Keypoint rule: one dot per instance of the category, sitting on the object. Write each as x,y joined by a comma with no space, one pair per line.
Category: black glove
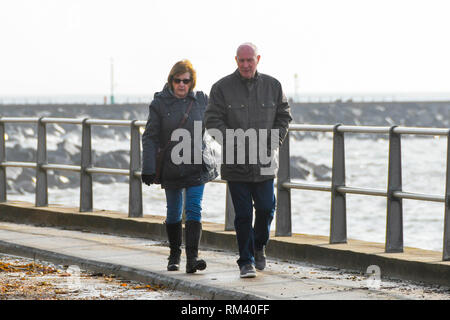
148,178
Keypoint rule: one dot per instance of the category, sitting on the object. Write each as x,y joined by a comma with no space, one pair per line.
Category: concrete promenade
299,267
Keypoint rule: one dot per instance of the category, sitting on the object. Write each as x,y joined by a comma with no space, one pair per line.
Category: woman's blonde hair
181,67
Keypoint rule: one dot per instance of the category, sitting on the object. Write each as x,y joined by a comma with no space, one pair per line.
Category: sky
57,47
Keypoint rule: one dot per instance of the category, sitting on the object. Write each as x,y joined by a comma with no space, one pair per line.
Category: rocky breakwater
21,145
67,150
66,141
434,114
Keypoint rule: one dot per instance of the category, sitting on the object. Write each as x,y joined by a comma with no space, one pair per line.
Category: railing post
3,183
229,210
338,216
283,225
135,195
394,221
41,159
446,247
86,198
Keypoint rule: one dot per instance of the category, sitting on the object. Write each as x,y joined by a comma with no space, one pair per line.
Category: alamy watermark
374,277
73,280
252,146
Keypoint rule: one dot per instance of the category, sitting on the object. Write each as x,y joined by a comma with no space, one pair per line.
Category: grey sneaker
260,259
248,271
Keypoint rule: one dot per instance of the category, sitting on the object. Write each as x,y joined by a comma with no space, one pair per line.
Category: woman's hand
148,178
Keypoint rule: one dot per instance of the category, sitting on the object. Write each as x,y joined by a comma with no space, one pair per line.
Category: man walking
249,105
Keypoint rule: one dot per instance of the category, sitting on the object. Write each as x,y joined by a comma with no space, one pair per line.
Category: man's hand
148,178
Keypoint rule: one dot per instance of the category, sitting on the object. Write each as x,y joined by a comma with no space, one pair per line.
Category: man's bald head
247,46
247,59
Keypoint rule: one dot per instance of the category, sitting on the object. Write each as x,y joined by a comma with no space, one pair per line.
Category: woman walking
178,106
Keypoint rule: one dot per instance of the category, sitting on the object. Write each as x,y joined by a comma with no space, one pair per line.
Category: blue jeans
247,195
193,206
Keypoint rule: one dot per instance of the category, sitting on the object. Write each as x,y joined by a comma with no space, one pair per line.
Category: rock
301,168
62,180
68,147
23,187
299,173
322,172
18,153
13,172
104,178
66,153
114,159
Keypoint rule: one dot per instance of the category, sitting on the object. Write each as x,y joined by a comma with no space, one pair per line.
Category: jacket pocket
268,104
266,116
237,115
236,106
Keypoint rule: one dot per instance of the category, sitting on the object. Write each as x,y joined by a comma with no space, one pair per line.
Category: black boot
193,233
174,234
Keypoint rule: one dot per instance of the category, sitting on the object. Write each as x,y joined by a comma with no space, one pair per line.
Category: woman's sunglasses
185,81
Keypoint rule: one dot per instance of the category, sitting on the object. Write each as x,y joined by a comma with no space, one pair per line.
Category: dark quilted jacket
165,113
237,103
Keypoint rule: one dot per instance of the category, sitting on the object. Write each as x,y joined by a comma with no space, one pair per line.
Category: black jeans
247,195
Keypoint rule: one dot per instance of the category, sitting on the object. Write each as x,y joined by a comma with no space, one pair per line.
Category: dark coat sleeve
283,116
150,140
215,113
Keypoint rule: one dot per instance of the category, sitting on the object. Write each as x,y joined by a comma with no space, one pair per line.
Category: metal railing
283,227
86,168
338,188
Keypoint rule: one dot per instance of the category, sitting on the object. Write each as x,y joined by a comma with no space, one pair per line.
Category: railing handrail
292,127
370,129
338,188
100,122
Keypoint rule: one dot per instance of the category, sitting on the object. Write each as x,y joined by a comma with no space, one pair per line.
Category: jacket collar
168,93
238,75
